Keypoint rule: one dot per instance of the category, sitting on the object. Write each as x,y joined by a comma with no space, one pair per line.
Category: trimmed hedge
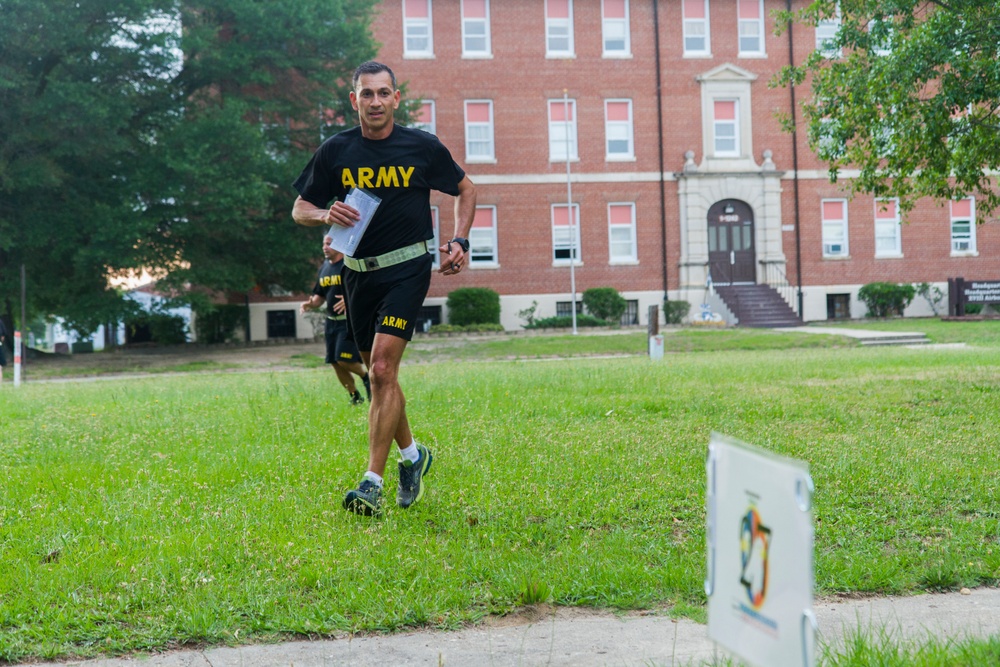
674,312
605,303
886,299
473,305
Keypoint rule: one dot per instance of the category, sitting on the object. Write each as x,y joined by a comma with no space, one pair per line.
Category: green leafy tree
157,133
907,92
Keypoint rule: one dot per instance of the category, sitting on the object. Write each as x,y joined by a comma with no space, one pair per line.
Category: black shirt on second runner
401,169
328,284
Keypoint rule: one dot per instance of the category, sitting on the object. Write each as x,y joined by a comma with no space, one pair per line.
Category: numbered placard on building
760,554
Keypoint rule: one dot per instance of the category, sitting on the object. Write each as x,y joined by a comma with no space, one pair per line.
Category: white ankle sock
375,478
411,453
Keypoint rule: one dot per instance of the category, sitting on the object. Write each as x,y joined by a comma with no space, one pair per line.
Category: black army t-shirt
401,169
328,284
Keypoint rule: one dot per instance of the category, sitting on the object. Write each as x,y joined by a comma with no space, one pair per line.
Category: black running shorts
386,301
339,345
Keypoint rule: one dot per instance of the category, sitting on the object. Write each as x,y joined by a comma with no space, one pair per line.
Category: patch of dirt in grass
140,360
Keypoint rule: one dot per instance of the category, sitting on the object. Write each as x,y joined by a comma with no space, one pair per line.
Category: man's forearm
465,208
308,215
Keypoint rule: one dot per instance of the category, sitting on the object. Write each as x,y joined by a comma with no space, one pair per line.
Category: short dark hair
372,67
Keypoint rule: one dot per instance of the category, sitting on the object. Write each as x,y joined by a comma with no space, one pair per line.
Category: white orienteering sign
760,554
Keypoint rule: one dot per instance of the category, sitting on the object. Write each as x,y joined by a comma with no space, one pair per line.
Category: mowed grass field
149,513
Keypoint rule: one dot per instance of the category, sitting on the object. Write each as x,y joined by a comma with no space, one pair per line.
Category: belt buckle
371,263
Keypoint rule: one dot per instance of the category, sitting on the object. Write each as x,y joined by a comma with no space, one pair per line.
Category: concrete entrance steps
868,337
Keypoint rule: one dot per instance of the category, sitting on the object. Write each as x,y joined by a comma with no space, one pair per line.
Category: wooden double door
731,255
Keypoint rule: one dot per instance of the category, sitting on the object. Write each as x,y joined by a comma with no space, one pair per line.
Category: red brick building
678,167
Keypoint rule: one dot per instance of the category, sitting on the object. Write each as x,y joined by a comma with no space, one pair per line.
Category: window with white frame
562,130
418,38
483,237
565,233
479,131
621,233
725,126
963,226
615,28
618,130
696,37
834,227
826,32
888,242
436,241
751,27
475,28
425,117
559,28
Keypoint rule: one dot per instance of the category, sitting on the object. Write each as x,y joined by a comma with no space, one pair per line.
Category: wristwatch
462,243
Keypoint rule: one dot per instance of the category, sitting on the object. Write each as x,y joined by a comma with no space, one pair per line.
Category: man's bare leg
345,378
387,416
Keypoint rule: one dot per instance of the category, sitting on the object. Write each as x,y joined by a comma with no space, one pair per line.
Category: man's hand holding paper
349,220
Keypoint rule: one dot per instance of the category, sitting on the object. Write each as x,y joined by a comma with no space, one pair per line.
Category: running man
387,278
341,352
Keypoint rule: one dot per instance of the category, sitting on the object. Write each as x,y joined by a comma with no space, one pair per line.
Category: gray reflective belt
388,259
336,318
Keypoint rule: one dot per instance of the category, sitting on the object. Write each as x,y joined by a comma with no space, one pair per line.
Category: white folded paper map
346,239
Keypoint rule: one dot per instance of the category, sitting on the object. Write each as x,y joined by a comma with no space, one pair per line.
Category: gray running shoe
366,499
411,478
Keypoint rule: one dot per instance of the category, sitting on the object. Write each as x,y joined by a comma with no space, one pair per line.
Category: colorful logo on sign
755,541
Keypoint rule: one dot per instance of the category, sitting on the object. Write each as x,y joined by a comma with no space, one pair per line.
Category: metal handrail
775,278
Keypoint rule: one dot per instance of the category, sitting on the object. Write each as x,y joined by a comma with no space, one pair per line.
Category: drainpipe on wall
659,142
795,168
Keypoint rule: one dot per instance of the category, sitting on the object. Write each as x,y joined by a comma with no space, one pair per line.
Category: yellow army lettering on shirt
327,281
366,177
394,322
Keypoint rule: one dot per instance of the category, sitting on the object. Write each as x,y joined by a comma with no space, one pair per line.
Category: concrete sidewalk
577,638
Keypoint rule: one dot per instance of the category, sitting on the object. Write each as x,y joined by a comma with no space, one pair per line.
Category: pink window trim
694,9
961,208
749,9
556,110
889,213
725,110
833,210
620,214
557,9
477,112
618,111
483,219
416,9
474,9
614,9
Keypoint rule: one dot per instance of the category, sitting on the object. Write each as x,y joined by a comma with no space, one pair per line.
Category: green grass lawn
149,513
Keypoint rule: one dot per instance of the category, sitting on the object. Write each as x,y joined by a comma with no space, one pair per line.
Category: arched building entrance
731,254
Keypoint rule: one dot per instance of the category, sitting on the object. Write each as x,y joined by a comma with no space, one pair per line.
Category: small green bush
605,303
674,312
566,321
886,299
473,305
221,324
163,328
